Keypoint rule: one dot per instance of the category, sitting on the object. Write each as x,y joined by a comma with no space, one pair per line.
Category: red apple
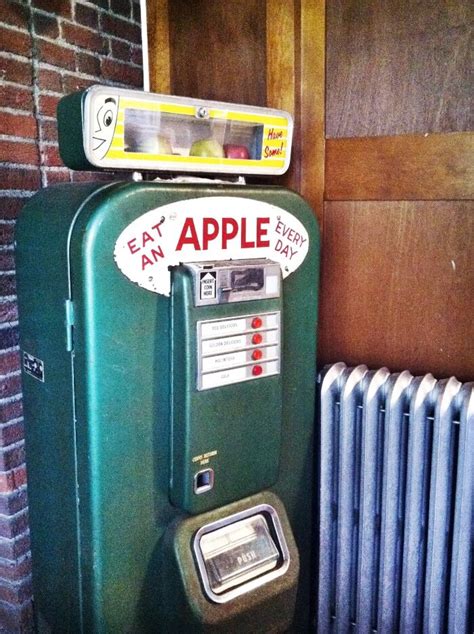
236,152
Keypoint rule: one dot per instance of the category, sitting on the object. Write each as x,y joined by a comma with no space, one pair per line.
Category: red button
257,370
257,322
257,355
257,338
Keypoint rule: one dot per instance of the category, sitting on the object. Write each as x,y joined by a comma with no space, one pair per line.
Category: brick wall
48,48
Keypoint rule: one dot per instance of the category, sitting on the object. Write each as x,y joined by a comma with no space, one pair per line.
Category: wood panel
281,54
311,103
398,286
411,167
159,46
218,50
398,67
295,82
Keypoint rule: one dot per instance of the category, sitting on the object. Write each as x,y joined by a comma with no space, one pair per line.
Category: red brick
7,263
14,13
49,130
121,50
57,176
15,41
8,313
86,177
88,64
10,410
58,7
7,234
122,7
12,480
122,73
121,28
7,287
16,97
137,56
15,570
15,593
87,16
47,105
20,178
14,502
50,156
50,80
11,433
9,361
85,38
12,527
72,83
14,548
46,25
18,125
16,70
10,385
55,54
11,457
17,618
10,207
17,152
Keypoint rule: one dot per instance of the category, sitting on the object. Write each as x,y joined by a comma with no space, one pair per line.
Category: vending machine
168,341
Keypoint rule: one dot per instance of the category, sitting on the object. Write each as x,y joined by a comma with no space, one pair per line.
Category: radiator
396,507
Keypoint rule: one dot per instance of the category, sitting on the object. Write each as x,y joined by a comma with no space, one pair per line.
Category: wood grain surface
406,167
398,286
311,102
218,50
159,46
398,67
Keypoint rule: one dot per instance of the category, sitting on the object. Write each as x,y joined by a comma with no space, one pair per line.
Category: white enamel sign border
205,229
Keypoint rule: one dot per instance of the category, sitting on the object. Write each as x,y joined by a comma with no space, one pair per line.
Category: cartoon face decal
104,118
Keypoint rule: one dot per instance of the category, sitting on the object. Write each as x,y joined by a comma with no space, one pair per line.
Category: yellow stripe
159,158
275,143
214,113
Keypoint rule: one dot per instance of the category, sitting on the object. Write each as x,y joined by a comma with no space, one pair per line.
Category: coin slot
203,481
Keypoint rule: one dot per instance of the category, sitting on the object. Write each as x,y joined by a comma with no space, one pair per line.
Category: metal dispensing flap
240,553
130,129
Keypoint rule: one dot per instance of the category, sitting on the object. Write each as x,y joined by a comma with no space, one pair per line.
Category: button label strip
236,350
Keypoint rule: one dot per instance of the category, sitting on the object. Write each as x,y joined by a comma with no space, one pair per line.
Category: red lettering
244,243
132,246
191,239
262,232
230,228
157,227
155,253
146,237
210,231
145,261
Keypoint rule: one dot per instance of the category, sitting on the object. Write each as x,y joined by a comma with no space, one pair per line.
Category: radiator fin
396,502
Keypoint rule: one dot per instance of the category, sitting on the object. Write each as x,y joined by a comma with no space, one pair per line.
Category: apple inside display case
123,130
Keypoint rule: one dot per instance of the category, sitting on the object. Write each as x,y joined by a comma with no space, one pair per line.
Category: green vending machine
168,351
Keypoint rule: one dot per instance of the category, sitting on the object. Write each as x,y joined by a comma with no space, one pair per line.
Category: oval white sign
208,229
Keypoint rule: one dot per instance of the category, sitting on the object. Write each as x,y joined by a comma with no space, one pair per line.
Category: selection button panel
235,350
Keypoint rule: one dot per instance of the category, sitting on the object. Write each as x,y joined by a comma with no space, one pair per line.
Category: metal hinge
69,306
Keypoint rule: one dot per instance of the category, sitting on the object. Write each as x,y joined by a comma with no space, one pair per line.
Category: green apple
207,148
